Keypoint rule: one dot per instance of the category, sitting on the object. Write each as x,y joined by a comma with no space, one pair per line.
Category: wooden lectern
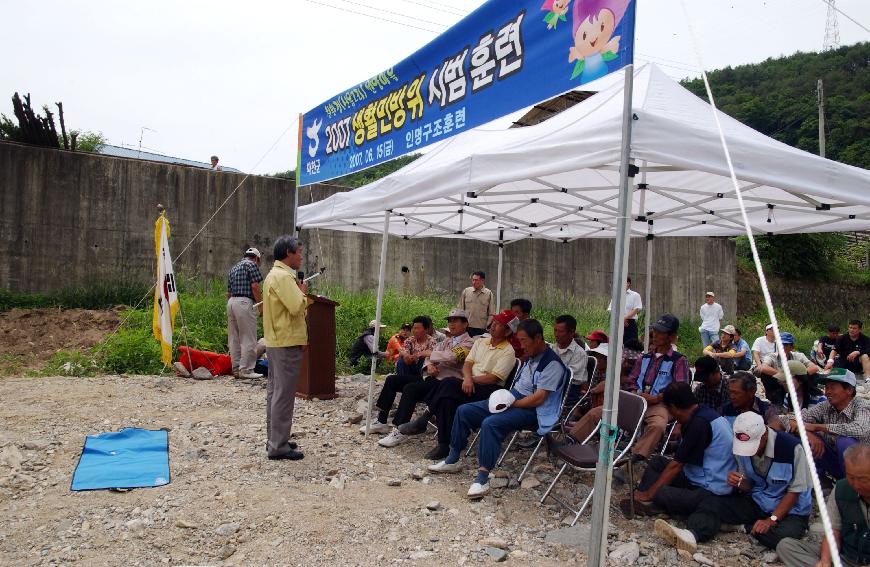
317,377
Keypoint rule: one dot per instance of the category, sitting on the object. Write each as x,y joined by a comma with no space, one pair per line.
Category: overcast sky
229,77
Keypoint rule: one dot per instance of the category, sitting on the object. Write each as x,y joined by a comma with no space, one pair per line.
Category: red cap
505,317
597,335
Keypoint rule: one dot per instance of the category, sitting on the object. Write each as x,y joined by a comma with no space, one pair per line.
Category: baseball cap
787,338
748,429
667,323
769,327
457,313
710,293
838,375
729,329
500,400
597,335
796,368
602,348
374,323
253,252
505,317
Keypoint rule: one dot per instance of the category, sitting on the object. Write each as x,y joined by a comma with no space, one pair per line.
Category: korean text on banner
504,56
165,293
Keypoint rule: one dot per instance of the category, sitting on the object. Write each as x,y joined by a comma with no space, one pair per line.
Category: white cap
253,251
748,429
602,348
373,323
500,400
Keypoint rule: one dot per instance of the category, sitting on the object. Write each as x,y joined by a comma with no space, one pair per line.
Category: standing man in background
479,303
711,317
286,333
243,291
633,305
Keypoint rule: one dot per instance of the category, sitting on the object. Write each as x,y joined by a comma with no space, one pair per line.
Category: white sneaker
250,375
375,427
444,467
677,537
393,439
478,490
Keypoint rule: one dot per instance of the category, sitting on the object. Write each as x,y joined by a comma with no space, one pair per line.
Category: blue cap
787,338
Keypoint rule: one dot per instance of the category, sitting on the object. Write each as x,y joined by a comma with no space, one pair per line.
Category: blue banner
506,55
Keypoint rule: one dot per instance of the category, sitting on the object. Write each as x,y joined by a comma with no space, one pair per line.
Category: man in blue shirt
537,401
700,465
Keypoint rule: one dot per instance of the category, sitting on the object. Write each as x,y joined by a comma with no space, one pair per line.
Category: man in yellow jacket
284,328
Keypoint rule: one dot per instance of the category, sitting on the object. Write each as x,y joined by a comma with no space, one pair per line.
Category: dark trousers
446,398
475,331
405,369
832,461
394,384
629,333
714,510
412,394
680,497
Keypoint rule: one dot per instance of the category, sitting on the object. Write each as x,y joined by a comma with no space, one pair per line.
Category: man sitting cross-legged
701,462
773,497
486,368
409,368
537,400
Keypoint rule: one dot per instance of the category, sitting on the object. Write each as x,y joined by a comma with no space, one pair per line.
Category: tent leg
381,276
648,299
604,468
498,284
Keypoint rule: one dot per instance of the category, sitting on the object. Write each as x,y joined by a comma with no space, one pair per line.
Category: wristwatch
773,518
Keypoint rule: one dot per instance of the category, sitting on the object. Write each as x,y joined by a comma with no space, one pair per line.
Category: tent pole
381,276
500,265
604,468
648,299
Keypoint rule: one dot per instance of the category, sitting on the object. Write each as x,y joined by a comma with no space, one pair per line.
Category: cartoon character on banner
556,10
594,42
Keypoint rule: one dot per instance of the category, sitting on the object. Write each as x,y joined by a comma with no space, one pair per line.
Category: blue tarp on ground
130,458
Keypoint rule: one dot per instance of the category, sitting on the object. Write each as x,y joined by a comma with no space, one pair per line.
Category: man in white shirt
763,345
711,316
572,355
633,305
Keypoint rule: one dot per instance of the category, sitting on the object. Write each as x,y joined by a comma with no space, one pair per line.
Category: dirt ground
29,337
349,502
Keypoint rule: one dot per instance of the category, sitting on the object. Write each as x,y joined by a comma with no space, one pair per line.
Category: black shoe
416,426
292,455
289,445
438,453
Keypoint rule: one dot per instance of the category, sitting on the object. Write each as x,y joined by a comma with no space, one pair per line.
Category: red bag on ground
217,364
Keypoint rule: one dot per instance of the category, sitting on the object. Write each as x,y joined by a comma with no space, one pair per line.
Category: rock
494,542
498,482
426,480
496,554
433,506
355,418
684,555
531,481
338,482
625,554
227,529
704,560
11,457
421,554
394,482
332,472
136,526
417,473
226,551
184,524
35,445
769,557
201,373
573,536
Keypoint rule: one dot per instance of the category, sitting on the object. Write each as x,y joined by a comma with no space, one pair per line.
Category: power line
374,17
831,4
456,13
400,14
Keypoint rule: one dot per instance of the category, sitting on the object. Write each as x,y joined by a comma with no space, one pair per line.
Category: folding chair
584,456
507,384
565,383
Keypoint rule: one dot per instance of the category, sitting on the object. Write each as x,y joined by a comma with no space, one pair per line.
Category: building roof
549,108
118,151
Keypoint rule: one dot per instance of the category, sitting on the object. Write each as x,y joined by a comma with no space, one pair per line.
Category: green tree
88,141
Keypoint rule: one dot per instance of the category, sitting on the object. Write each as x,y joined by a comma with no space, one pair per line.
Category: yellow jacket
283,308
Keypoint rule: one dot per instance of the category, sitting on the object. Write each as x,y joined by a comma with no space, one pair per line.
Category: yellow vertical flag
165,293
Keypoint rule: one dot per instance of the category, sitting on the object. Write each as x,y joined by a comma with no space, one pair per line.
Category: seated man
723,350
409,368
537,391
396,341
852,351
596,338
763,345
837,423
713,388
743,360
742,387
700,465
522,308
773,498
807,392
485,370
652,373
572,354
849,510
445,360
771,364
825,344
364,346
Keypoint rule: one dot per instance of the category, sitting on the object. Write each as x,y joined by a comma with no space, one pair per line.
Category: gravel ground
349,502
